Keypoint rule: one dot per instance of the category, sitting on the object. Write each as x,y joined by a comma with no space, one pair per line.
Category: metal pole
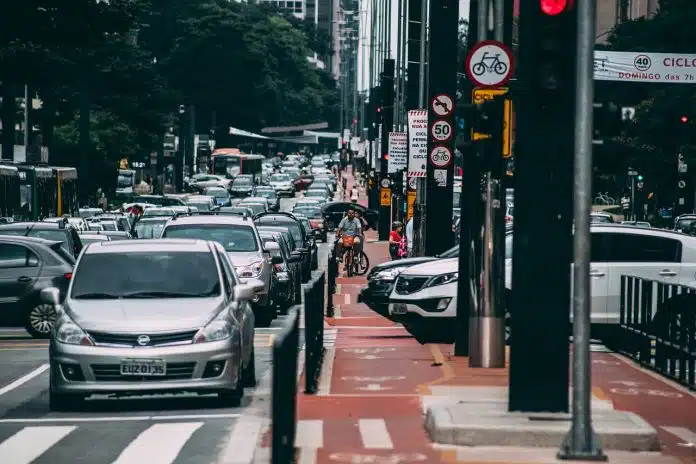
404,63
423,36
633,199
499,20
482,18
399,43
26,122
581,443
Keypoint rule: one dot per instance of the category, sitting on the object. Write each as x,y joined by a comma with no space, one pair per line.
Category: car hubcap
42,318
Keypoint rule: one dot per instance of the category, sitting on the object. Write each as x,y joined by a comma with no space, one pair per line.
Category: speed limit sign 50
441,130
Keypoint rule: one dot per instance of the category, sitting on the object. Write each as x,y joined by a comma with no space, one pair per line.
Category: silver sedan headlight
68,332
216,330
251,271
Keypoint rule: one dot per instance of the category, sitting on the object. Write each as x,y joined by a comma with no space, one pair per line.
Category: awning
324,135
243,133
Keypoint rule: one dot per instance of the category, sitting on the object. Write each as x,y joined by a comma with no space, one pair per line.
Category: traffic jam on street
140,333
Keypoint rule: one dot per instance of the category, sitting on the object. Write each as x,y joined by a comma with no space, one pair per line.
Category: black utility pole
373,133
469,202
415,22
387,93
539,361
442,79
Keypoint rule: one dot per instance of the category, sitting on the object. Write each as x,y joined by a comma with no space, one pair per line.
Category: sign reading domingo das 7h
673,68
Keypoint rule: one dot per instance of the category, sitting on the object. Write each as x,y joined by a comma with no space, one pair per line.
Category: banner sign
417,142
398,152
672,68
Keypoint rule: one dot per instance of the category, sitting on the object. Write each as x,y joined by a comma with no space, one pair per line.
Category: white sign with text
398,152
417,143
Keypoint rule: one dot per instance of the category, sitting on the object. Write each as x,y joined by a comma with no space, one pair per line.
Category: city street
157,430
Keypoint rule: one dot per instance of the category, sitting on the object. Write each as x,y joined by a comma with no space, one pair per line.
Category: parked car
111,336
27,266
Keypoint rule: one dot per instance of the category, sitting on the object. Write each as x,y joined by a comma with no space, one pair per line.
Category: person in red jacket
395,239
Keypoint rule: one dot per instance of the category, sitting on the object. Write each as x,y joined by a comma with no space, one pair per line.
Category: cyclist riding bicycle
348,234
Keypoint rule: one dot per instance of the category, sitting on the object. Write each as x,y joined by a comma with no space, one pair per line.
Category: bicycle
604,199
495,65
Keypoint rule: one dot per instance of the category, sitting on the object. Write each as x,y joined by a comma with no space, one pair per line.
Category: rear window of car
311,213
148,274
291,225
231,237
149,229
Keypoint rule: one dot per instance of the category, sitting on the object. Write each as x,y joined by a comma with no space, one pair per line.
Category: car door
241,310
19,270
599,278
647,255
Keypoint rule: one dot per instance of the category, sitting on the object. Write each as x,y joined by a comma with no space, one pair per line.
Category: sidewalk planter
284,390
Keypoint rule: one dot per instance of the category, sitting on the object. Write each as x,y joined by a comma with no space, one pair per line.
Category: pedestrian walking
626,206
354,194
395,239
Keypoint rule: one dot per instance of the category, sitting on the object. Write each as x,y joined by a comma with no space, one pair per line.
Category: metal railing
314,299
658,327
284,390
331,275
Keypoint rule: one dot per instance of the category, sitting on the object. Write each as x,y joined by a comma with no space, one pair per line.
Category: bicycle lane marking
658,401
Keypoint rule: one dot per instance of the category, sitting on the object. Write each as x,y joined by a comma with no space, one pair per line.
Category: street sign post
489,64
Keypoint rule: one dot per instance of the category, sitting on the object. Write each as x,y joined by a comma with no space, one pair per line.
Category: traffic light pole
543,243
581,443
387,93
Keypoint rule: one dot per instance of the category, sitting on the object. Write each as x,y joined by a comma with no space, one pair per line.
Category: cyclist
349,231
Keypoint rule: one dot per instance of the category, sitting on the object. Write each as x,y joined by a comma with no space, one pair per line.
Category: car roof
146,219
22,238
153,245
230,219
33,225
620,228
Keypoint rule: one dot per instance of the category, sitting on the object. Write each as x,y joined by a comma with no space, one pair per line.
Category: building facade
613,12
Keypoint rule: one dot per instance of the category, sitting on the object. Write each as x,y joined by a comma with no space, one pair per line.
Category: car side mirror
302,250
277,260
244,292
51,295
271,247
295,257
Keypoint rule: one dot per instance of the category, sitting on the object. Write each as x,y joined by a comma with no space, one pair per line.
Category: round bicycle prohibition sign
489,64
440,156
441,130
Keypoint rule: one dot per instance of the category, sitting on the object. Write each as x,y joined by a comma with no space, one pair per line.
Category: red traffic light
684,119
386,156
553,7
379,109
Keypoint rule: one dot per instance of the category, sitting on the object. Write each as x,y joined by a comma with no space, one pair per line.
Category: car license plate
144,367
399,308
221,201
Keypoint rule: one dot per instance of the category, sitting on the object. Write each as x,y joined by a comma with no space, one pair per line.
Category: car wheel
233,398
63,402
40,320
249,372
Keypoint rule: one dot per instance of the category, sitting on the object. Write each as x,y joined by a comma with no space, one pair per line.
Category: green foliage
657,133
137,60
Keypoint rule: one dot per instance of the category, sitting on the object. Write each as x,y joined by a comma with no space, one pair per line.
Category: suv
299,234
155,317
617,250
61,231
241,241
27,266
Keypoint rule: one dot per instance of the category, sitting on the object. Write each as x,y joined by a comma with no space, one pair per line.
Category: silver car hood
143,315
244,258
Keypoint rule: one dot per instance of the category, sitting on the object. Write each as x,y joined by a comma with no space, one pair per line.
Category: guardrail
284,390
314,330
658,327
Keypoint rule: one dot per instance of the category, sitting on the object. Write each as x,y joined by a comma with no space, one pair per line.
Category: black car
287,275
298,232
311,240
334,212
61,231
381,278
242,186
27,266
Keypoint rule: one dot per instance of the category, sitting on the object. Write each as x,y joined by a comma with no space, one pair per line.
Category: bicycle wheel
362,264
350,262
478,69
500,68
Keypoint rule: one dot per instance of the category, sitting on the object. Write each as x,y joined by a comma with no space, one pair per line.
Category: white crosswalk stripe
31,442
156,443
330,337
373,434
684,434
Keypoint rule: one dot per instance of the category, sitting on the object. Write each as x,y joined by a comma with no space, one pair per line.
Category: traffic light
640,178
684,119
556,50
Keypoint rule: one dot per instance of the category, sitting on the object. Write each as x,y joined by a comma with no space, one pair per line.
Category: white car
282,184
424,297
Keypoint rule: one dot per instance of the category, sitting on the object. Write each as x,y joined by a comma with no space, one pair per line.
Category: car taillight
68,275
316,223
